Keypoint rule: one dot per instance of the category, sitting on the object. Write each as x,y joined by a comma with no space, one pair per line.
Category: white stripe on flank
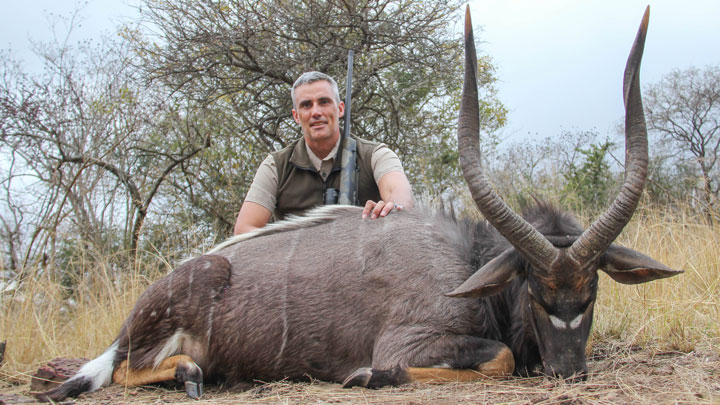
284,298
210,315
100,369
172,346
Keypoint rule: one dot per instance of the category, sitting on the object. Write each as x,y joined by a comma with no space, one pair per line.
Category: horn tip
468,21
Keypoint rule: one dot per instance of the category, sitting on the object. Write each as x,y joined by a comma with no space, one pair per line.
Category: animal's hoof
194,390
359,378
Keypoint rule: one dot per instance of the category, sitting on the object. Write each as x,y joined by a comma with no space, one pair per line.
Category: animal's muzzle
572,373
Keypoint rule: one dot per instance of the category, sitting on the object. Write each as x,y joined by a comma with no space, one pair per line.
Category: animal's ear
630,267
491,278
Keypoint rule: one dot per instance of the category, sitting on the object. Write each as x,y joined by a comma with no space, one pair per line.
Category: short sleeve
263,189
384,161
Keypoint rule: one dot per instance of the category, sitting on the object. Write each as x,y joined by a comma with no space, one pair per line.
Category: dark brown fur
185,300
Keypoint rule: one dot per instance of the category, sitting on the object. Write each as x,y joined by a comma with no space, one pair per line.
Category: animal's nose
569,374
578,377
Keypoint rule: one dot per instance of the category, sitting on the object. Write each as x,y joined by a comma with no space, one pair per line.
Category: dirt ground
618,375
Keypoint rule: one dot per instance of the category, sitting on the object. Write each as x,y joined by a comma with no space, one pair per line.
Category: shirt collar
316,161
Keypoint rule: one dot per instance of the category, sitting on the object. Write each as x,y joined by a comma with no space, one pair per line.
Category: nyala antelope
416,296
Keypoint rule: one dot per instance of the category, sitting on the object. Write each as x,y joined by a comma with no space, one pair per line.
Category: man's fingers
369,205
387,208
379,209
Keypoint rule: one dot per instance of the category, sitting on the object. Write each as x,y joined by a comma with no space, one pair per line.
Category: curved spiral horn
514,228
598,237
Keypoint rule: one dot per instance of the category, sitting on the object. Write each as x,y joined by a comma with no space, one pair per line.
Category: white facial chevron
560,324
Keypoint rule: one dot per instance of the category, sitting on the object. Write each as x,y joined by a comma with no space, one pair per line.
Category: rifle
347,153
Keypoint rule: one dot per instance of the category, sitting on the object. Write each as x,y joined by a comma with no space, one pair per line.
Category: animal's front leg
180,368
442,359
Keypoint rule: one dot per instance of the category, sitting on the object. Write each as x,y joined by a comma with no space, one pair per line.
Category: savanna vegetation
127,154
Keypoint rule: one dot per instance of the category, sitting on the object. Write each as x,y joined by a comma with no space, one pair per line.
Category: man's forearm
251,216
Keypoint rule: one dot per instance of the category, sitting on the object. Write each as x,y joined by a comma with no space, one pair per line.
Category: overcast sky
21,21
560,62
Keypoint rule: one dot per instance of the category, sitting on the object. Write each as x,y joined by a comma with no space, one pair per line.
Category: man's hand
379,209
393,186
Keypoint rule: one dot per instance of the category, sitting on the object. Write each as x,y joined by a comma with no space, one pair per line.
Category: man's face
317,112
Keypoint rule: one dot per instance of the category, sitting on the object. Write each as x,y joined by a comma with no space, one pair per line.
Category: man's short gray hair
312,77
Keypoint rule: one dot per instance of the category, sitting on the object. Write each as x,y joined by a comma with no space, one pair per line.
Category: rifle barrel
348,94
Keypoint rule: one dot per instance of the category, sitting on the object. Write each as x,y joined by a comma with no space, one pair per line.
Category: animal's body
412,296
261,313
250,311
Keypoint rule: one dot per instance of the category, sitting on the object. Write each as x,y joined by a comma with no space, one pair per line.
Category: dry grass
679,313
619,375
652,343
40,322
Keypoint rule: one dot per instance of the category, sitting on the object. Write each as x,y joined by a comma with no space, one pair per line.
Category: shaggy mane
550,220
314,217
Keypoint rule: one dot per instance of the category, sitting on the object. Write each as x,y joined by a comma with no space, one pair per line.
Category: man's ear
630,267
491,278
341,109
296,116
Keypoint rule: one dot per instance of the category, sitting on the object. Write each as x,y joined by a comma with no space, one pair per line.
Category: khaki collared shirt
263,189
